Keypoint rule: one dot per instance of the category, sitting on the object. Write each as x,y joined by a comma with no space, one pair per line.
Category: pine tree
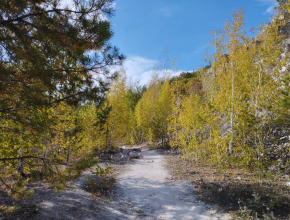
50,58
47,52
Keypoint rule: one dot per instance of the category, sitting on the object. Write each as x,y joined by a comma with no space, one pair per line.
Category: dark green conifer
50,52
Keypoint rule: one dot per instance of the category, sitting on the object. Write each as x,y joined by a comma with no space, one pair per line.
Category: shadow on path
143,191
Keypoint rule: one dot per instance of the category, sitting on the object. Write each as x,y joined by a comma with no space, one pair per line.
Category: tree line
222,114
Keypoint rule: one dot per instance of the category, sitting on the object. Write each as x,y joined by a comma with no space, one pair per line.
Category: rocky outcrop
277,145
122,154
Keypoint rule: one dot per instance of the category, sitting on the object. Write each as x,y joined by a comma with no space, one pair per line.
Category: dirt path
146,192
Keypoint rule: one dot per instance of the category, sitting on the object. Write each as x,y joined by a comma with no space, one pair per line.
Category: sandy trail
146,192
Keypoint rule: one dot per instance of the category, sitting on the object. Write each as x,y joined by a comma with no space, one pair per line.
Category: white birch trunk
232,110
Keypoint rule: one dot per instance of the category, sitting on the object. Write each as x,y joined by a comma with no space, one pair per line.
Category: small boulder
104,156
126,151
122,157
136,149
135,155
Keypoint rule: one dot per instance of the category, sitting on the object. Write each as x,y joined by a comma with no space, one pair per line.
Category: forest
223,114
60,106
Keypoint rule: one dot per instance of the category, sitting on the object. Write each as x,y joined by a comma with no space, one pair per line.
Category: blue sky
148,30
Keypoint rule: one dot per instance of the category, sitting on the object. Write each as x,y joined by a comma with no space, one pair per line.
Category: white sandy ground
144,191
148,193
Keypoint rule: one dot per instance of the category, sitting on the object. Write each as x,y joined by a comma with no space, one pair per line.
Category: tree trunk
20,163
232,110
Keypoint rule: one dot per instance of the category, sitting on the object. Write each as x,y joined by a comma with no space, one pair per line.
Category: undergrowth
102,182
10,210
245,194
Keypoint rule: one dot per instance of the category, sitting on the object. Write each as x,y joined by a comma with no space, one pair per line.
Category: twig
24,157
8,186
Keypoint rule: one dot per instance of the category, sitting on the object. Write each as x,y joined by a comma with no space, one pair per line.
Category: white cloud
66,3
141,69
271,5
138,68
71,5
270,10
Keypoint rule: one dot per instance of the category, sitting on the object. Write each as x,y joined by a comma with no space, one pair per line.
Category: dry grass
100,186
10,210
245,194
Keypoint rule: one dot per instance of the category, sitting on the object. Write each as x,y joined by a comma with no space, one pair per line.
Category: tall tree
50,52
163,109
118,124
284,5
145,111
